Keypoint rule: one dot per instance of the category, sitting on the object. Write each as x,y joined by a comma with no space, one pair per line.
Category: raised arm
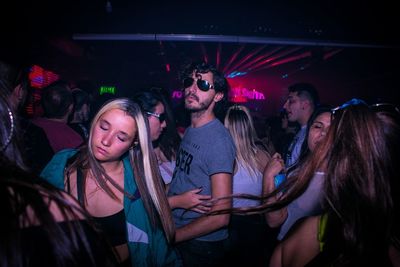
274,166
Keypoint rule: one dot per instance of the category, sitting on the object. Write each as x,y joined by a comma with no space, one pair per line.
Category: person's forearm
173,201
273,218
201,226
276,218
221,186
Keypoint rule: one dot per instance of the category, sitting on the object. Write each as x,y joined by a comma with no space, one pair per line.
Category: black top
113,226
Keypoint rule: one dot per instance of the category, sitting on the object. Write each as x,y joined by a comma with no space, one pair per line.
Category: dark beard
203,106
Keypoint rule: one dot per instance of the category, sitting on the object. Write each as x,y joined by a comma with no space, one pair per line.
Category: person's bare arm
300,247
221,185
190,200
274,166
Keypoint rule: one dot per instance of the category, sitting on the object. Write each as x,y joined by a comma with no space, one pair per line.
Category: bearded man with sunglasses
205,160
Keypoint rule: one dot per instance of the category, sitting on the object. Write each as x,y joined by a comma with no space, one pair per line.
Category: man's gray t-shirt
204,151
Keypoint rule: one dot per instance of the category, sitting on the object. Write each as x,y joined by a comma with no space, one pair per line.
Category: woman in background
251,240
163,132
359,223
357,226
310,201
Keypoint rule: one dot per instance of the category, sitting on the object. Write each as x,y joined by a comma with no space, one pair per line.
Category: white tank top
167,171
245,184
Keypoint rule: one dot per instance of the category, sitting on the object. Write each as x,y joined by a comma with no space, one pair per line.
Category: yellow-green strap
322,231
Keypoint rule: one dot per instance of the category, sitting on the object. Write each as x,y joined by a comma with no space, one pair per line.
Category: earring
135,143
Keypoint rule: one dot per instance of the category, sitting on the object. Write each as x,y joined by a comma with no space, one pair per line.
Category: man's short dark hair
307,91
220,82
56,99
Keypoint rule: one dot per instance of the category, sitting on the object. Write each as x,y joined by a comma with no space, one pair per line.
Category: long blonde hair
240,124
143,162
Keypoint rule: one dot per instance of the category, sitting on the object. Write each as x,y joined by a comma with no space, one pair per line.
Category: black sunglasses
385,107
202,84
377,107
160,117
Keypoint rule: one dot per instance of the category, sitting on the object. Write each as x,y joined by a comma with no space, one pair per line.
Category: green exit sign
107,90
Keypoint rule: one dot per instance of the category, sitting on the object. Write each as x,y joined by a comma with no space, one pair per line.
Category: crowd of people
115,183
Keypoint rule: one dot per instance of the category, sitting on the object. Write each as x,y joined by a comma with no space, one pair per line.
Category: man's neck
304,120
201,118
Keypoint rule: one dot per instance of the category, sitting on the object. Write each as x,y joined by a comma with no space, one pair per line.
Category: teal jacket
147,246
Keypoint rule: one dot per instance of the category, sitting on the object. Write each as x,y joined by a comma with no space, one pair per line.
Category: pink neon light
234,56
246,58
236,94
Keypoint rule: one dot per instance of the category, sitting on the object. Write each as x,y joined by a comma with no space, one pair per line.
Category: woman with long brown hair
356,227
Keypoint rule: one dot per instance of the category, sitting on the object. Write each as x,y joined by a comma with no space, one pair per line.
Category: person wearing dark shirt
57,105
79,119
35,146
40,225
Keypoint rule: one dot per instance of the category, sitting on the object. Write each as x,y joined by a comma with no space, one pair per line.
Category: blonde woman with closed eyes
116,178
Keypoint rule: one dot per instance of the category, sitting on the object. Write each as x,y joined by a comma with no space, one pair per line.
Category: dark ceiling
348,49
356,21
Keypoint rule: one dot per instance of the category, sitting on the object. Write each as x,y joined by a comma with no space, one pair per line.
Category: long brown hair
356,160
389,115
357,187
